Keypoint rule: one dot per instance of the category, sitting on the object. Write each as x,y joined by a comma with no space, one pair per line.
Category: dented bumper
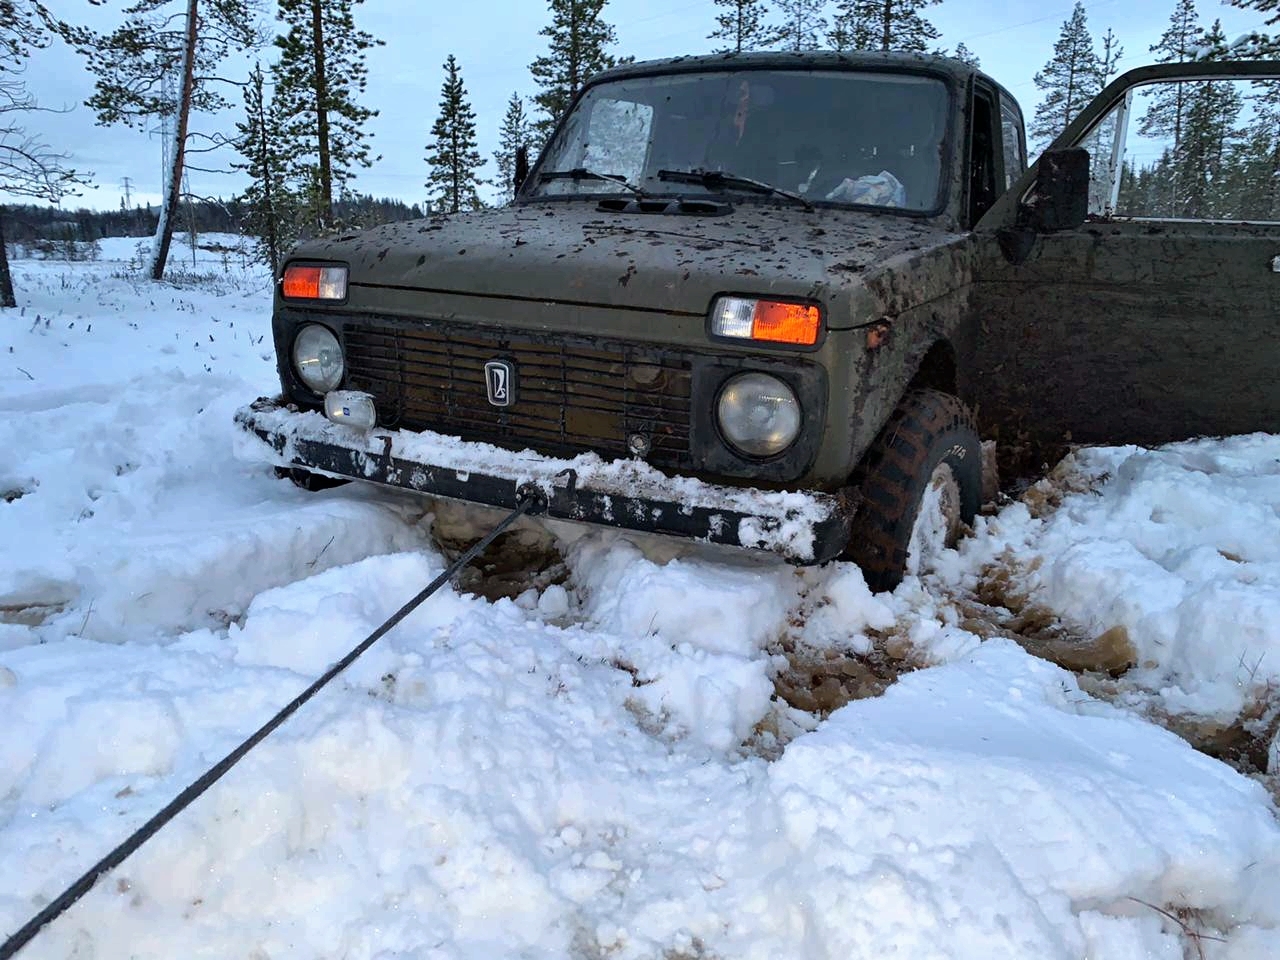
804,527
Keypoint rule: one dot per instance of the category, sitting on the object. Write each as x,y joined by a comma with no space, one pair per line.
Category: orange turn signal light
775,321
308,281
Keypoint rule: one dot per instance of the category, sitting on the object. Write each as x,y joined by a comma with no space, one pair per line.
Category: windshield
832,137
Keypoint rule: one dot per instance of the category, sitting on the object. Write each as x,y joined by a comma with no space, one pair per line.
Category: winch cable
530,499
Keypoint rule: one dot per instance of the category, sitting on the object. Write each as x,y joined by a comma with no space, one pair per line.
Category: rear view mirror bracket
521,172
1059,200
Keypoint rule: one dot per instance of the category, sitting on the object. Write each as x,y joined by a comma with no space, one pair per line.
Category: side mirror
522,167
1060,198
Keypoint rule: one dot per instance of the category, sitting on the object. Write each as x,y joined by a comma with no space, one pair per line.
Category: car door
1154,319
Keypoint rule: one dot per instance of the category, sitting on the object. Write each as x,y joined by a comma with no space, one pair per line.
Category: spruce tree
882,25
162,64
802,24
271,208
742,25
453,157
1069,80
577,47
318,78
516,131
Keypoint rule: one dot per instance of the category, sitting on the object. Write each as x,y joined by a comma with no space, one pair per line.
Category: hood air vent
697,208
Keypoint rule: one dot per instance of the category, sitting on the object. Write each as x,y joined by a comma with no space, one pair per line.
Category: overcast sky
495,40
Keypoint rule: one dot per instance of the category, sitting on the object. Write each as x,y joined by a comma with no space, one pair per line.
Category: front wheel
921,481
311,482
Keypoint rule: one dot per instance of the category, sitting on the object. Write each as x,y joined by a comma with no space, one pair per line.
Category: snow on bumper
802,526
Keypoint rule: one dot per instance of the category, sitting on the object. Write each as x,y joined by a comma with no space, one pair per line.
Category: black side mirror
522,167
1060,198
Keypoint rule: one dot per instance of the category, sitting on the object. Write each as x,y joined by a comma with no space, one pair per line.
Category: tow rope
530,499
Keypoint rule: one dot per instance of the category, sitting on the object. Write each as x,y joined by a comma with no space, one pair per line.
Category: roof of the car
796,59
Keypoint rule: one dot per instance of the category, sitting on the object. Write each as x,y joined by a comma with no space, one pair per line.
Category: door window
1015,149
982,156
1200,149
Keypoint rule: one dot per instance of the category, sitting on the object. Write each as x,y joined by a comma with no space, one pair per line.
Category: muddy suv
753,299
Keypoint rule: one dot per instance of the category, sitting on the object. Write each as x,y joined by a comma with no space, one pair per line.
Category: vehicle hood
574,252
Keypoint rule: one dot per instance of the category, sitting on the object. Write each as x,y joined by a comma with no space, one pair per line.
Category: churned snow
574,773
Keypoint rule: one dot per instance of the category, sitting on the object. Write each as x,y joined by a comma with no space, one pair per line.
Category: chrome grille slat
570,397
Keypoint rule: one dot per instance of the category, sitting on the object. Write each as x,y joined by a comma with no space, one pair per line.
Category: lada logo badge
500,382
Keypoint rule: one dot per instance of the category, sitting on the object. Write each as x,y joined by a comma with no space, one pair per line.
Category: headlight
317,358
759,415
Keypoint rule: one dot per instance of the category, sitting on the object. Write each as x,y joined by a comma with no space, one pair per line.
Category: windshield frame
946,187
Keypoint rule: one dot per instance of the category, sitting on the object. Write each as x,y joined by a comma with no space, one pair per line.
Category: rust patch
878,334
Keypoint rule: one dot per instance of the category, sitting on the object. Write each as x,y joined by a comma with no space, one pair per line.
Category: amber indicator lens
314,282
776,321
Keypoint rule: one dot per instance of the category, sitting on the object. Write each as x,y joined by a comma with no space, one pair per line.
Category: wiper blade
713,179
582,173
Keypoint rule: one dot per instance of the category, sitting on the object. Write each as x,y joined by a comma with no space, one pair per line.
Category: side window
1011,136
1188,150
982,156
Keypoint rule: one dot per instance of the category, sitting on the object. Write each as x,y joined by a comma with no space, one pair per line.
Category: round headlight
317,358
759,415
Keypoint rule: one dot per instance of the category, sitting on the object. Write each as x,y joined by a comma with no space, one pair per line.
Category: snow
599,767
1181,547
785,521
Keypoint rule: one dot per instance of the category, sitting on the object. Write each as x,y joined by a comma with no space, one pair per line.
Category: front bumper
804,527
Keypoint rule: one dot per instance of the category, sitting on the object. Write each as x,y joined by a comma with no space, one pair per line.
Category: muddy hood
574,252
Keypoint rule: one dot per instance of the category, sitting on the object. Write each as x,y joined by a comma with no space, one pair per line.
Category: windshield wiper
582,173
719,179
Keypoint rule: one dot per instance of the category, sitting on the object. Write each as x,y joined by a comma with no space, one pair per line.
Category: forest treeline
297,124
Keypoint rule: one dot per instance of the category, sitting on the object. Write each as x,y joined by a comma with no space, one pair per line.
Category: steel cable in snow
530,499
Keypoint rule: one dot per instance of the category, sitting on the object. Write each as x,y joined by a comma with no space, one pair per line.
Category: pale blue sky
495,40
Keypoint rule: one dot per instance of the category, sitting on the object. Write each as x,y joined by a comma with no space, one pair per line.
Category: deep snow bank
564,775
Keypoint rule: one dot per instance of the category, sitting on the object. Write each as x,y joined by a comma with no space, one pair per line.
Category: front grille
570,397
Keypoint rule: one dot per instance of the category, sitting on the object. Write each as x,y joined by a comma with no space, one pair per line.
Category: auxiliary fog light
351,408
759,415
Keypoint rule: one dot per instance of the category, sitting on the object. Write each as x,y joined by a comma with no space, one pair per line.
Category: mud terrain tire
928,429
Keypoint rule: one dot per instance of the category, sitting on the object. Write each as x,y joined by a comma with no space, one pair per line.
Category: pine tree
1208,136
743,25
1257,157
1262,6
577,42
1178,44
161,64
965,55
320,75
455,161
272,212
28,167
1069,79
882,25
517,131
802,24
1102,141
